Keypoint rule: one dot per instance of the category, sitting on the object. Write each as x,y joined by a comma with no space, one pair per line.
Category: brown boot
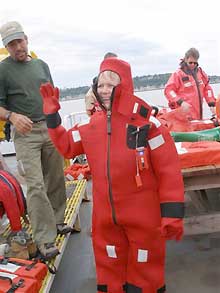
32,247
18,248
48,250
64,229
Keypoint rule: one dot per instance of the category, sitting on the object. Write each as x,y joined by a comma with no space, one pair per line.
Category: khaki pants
43,170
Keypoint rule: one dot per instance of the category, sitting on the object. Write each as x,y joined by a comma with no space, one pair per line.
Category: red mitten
172,228
50,97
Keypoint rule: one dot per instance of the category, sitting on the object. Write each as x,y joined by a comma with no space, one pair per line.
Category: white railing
71,119
68,122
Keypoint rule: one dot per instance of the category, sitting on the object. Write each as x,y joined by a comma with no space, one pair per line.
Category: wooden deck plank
203,170
202,224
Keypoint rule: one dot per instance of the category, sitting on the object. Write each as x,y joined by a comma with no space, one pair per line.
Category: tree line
141,83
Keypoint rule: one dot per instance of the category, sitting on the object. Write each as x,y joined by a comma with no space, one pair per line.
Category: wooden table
205,177
196,181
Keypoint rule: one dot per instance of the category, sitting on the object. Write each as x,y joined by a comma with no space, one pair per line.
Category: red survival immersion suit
128,246
12,200
191,87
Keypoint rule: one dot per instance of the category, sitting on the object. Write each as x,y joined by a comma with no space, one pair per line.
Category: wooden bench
197,181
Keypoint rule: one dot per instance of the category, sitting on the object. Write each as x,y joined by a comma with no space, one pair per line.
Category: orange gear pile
77,172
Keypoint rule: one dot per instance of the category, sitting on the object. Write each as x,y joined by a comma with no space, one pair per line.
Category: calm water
154,97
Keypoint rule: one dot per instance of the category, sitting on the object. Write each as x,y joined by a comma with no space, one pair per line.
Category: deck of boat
192,265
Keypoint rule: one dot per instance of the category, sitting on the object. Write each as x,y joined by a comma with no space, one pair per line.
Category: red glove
172,228
50,97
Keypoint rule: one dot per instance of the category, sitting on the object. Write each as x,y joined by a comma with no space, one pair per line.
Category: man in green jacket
42,166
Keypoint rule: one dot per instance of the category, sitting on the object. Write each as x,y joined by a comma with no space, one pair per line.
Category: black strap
102,288
172,209
130,288
15,286
31,266
51,267
162,289
53,120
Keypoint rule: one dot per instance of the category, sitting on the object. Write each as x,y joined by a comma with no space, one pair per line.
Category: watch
8,115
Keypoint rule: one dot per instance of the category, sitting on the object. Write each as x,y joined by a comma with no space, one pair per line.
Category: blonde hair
110,75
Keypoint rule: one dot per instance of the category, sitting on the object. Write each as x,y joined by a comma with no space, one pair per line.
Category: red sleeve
208,91
9,201
18,190
171,90
68,143
166,166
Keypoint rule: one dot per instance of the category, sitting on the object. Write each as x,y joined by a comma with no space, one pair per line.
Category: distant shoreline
148,89
79,97
135,90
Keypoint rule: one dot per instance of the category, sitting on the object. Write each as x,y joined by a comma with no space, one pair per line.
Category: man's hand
22,123
50,97
172,228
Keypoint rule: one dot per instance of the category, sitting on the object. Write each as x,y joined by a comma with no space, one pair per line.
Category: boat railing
73,118
68,122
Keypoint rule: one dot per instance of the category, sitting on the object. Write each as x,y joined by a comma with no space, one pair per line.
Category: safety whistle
138,180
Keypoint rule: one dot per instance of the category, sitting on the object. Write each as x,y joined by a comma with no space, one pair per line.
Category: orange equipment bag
24,268
201,153
174,120
178,121
10,283
77,172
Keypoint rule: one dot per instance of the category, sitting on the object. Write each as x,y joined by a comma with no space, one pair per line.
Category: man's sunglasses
195,63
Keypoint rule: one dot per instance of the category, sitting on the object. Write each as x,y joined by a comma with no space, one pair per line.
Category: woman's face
106,82
191,62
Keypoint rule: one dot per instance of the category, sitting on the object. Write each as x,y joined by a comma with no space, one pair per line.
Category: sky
152,35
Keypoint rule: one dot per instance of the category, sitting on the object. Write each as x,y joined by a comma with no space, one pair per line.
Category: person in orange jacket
187,87
138,194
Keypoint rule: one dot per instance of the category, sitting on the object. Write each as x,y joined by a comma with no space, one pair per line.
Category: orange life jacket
12,199
77,172
24,268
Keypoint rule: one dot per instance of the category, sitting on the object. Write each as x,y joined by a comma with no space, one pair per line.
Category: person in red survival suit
137,183
90,98
12,200
188,86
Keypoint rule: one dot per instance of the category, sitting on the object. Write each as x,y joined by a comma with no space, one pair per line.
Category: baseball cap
11,31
